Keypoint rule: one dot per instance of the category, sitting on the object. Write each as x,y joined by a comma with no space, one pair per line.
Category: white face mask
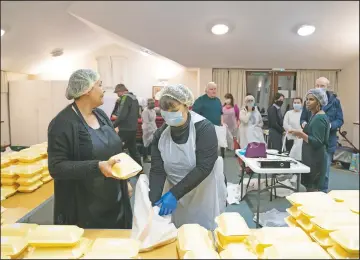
251,103
228,101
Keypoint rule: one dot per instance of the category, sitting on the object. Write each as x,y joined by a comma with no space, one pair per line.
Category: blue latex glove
168,204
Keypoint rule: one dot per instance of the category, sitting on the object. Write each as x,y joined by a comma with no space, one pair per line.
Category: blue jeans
327,173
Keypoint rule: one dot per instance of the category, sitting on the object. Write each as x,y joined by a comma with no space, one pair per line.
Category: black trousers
147,151
289,144
129,138
222,150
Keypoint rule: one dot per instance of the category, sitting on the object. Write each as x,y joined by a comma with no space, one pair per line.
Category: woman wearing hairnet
149,127
81,139
251,123
185,167
316,137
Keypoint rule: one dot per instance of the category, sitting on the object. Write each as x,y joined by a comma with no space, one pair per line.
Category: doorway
264,84
285,83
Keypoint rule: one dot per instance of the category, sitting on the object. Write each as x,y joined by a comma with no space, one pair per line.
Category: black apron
316,160
103,202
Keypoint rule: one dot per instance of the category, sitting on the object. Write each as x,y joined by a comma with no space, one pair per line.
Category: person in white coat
187,175
149,127
251,123
292,122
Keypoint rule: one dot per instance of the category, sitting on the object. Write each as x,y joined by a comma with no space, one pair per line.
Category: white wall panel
119,70
33,104
104,69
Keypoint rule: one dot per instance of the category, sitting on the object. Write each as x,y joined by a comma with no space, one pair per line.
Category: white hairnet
248,98
81,82
178,92
320,95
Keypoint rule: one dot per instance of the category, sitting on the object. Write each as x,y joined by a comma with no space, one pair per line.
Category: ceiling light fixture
306,30
220,29
2,32
57,52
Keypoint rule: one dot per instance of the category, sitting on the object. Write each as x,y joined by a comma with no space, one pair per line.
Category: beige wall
143,72
348,82
205,76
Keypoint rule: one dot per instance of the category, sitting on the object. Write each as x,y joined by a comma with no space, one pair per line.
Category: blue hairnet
81,82
178,92
320,95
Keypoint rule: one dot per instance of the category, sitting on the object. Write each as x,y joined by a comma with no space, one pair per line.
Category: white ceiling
35,28
263,34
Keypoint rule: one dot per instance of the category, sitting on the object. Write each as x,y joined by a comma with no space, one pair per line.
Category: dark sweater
127,113
275,119
210,108
70,161
206,156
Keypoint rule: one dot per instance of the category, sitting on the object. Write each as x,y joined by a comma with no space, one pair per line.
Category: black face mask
151,106
279,103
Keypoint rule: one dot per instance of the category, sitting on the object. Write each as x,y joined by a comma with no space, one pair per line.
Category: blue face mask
172,118
252,103
297,106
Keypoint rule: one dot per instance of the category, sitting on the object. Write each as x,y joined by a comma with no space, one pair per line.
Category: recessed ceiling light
2,32
220,29
306,30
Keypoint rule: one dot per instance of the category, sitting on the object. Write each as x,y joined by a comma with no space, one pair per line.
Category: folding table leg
298,182
242,180
247,185
266,180
274,185
271,189
258,203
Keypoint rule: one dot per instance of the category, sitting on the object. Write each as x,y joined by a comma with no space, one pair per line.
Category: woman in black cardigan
81,139
275,121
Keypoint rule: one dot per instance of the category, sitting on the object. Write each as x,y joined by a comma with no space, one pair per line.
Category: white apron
230,120
206,201
149,126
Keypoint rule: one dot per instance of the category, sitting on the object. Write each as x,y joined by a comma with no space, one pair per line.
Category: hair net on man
81,82
320,95
178,92
249,98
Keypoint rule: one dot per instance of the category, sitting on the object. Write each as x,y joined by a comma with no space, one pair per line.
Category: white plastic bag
229,139
296,150
221,136
148,227
272,218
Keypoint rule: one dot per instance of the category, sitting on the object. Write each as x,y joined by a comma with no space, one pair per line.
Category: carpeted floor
339,180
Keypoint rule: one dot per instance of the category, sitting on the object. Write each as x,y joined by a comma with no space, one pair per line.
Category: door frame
276,75
274,79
